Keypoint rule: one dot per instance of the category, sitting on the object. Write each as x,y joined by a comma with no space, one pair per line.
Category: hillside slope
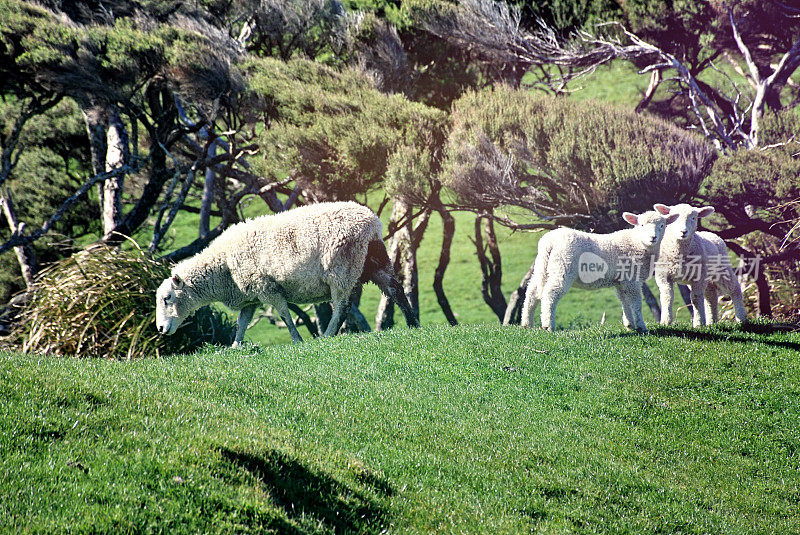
469,429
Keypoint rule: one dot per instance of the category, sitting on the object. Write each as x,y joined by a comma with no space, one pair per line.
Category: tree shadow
313,500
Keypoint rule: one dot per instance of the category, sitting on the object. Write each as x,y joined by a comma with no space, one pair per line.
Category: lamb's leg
529,305
698,290
551,295
734,289
634,292
666,292
712,303
245,317
631,315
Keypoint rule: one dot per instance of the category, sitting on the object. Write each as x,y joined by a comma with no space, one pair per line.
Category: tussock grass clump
100,303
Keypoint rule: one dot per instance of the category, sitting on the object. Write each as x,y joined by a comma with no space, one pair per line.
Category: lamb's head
648,228
685,225
174,304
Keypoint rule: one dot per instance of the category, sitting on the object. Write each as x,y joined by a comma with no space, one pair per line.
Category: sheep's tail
533,293
378,269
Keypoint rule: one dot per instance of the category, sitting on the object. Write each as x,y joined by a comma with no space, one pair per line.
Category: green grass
474,429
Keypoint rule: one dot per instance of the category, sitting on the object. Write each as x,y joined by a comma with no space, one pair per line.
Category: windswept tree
533,161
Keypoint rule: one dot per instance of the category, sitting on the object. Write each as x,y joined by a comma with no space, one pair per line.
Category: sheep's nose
160,329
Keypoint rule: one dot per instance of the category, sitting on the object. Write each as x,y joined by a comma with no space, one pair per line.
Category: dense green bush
100,302
332,131
585,160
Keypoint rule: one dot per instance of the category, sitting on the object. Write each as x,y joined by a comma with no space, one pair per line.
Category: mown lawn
474,429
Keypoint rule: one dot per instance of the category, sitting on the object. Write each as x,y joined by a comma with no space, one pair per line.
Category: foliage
55,156
331,131
569,15
472,429
579,161
99,303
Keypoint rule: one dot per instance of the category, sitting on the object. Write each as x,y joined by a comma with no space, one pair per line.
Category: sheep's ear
671,218
177,282
633,219
662,209
705,211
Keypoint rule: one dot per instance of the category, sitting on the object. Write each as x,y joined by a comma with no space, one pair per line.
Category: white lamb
312,254
622,259
698,259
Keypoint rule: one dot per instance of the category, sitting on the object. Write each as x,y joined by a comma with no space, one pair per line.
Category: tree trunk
95,119
117,155
448,231
384,317
25,256
208,192
492,269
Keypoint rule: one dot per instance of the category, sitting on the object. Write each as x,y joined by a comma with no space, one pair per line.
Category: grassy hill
469,429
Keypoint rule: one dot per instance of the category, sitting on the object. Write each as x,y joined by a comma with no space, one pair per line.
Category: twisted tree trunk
492,268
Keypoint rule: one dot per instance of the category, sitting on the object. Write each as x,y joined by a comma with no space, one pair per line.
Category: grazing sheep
623,259
698,259
312,254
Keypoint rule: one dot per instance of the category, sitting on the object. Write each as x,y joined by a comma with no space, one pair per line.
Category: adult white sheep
312,254
698,259
623,259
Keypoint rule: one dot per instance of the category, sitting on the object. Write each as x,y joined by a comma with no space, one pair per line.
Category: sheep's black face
171,305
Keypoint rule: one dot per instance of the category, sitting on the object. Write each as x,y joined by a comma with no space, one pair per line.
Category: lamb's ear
671,218
633,219
177,282
705,211
662,209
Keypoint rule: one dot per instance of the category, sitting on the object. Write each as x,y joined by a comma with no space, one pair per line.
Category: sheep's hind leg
245,317
698,303
529,305
340,302
282,307
712,303
551,295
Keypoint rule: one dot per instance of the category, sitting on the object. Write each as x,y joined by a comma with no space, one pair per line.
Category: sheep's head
649,227
685,224
173,305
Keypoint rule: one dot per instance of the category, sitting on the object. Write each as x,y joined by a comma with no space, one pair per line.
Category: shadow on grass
312,500
722,333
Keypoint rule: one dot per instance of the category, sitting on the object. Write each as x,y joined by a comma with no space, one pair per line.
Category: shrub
333,132
585,161
100,302
758,194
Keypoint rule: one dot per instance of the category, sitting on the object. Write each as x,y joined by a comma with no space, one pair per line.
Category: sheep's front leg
666,292
630,297
245,317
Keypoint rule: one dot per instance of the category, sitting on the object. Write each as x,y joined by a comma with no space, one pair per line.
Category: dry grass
100,303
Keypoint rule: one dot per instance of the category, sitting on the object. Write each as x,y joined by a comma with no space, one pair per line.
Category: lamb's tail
533,293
